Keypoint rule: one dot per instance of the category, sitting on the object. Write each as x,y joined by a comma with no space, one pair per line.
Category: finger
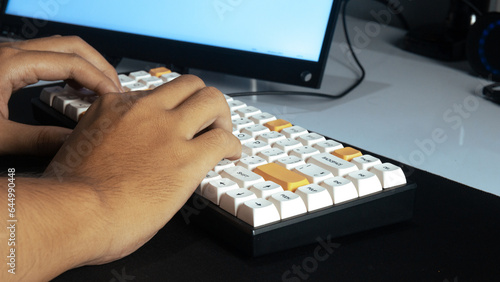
172,94
72,44
17,138
213,146
28,67
205,108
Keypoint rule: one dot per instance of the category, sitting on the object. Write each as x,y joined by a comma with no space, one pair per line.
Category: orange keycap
81,115
278,125
159,71
287,179
347,153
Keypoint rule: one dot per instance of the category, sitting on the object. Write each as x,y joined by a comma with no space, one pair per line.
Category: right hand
145,153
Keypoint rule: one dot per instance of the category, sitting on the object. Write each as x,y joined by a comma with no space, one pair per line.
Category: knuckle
193,80
220,137
75,39
211,96
212,92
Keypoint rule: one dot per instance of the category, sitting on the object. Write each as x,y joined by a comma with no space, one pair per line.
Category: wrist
61,223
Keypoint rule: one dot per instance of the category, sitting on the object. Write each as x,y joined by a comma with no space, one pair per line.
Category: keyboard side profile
385,208
291,187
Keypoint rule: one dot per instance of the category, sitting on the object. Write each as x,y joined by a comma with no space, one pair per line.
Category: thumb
22,139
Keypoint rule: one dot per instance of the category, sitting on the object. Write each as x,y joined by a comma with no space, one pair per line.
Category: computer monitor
284,41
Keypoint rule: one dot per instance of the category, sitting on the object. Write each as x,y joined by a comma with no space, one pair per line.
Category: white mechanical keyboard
288,182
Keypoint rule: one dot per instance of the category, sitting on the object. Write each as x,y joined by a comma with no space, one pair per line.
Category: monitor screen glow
294,30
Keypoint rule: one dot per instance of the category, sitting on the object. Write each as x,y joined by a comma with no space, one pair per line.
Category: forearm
59,226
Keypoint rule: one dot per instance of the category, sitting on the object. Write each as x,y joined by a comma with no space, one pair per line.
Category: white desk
413,109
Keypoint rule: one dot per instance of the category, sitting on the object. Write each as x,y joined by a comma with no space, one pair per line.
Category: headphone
483,52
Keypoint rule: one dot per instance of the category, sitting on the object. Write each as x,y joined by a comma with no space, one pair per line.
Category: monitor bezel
183,55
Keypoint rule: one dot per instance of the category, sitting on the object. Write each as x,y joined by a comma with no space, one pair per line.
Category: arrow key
258,212
217,187
265,189
231,200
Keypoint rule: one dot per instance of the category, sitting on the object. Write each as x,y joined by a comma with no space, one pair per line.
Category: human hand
54,58
144,153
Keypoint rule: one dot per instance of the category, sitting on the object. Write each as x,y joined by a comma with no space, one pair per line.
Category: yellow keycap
347,153
278,125
159,71
289,180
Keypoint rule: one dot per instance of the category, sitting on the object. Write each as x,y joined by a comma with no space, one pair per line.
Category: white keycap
262,118
255,130
337,166
61,101
241,123
290,162
310,139
244,138
314,196
148,81
243,155
251,162
304,152
169,76
126,80
223,164
389,175
80,92
236,104
365,182
216,188
341,189
294,131
248,111
49,93
288,204
258,212
252,148
242,176
365,162
231,200
271,137
75,110
211,175
228,98
156,84
234,116
288,144
138,75
137,86
265,189
313,173
271,155
328,146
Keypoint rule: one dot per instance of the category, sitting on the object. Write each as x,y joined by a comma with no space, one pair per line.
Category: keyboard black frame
365,213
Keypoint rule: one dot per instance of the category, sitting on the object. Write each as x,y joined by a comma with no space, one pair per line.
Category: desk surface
415,110
408,109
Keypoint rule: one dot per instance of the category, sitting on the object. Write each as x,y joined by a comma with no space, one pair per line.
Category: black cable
324,95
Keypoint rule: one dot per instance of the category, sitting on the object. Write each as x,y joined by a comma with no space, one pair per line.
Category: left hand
53,58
